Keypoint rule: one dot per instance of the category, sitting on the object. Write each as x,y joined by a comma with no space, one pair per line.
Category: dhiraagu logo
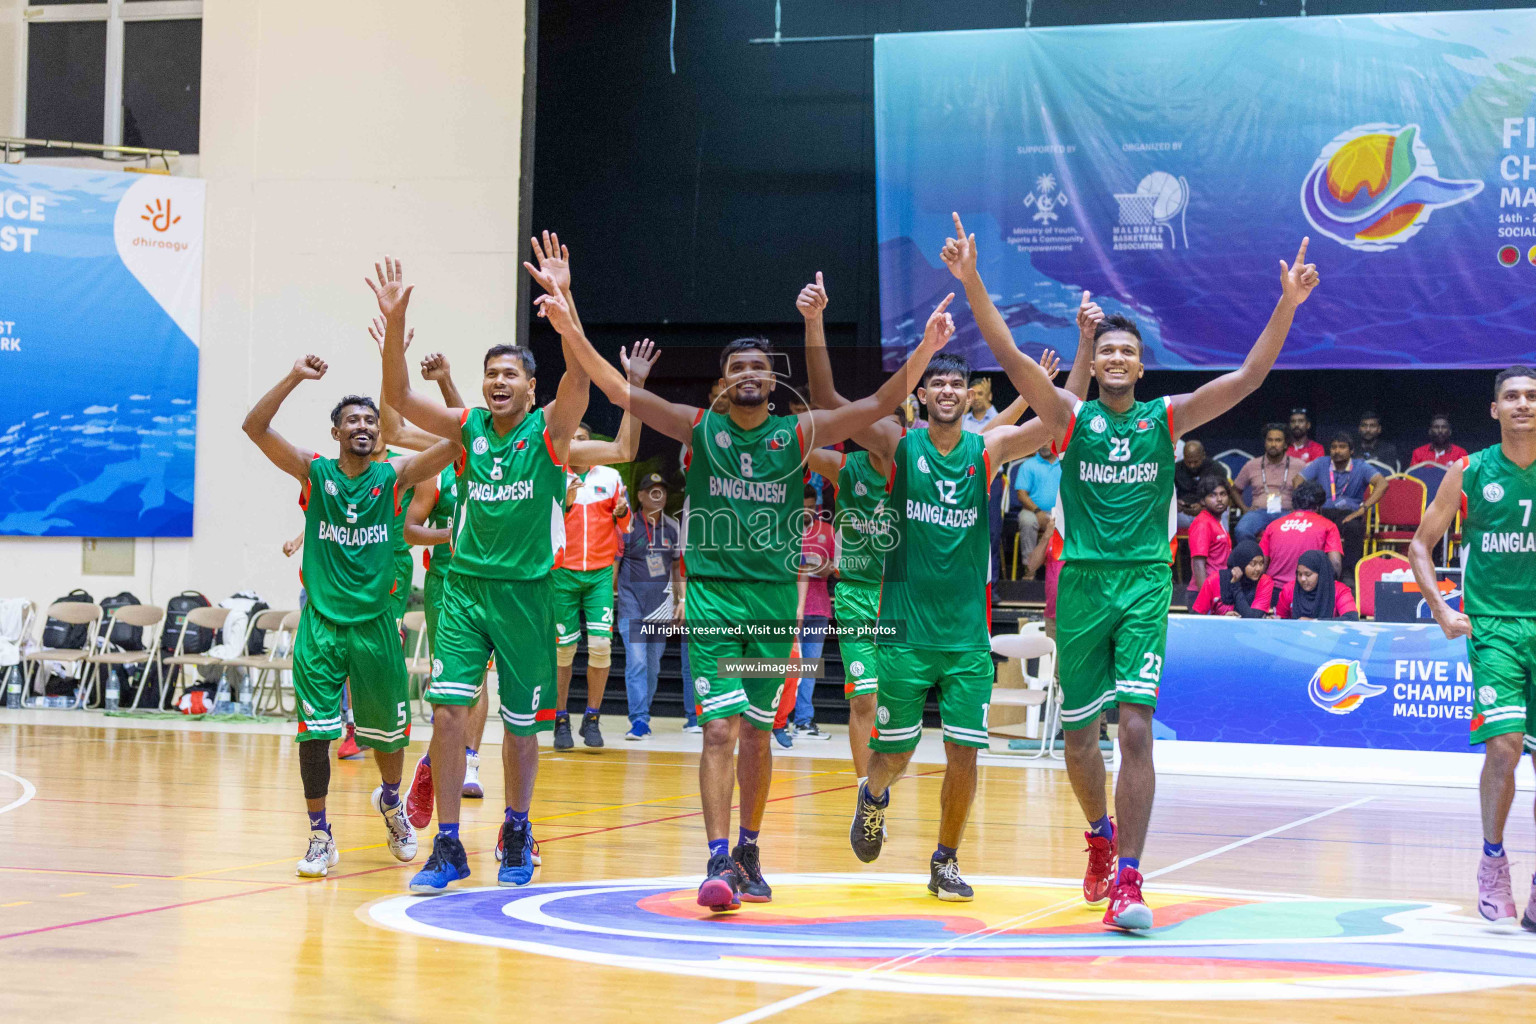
1340,686
1374,186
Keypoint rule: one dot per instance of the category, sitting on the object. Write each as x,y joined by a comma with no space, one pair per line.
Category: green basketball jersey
934,592
1116,502
509,524
746,499
350,525
1500,536
441,518
864,531
401,544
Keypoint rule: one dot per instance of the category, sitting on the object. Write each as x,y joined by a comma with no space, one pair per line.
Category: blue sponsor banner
1396,686
100,295
1167,168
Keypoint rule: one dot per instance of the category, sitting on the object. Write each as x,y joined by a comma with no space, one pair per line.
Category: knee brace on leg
599,651
565,654
315,768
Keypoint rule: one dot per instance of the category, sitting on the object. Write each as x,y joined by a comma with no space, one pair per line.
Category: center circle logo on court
1493,492
1022,938
330,488
480,446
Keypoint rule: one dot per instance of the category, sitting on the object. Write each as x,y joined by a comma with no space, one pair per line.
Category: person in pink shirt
1209,544
1315,594
1286,538
818,560
1241,589
1440,449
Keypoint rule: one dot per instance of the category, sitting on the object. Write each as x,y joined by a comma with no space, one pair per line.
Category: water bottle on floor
13,691
113,692
243,706
221,703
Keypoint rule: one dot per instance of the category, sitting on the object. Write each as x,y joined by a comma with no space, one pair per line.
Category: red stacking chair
1367,571
1396,516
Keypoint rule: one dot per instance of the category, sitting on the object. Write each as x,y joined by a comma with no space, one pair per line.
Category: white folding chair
11,678
206,618
266,662
71,613
111,658
1029,643
418,667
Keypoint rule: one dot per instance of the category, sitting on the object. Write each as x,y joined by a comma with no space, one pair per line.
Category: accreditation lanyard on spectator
654,564
1272,496
1333,479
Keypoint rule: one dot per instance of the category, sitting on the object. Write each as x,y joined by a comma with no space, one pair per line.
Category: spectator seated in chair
1190,474
1035,484
1209,544
1352,486
1315,594
1287,538
1373,447
1267,482
1241,589
1439,450
1302,446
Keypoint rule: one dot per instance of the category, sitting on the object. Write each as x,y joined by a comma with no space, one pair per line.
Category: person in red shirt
1208,540
1240,590
1286,538
1440,449
1302,446
1315,594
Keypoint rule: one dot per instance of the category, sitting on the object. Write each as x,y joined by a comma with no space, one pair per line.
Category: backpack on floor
124,637
64,635
199,638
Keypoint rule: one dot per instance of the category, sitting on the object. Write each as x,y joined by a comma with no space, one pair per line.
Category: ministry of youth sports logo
480,446
701,686
883,715
1046,199
1374,186
1493,492
1486,695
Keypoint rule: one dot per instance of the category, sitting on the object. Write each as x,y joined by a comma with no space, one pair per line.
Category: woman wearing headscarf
1315,594
1241,589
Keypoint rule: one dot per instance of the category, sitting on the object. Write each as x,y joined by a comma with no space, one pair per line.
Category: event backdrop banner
1394,686
100,292
1168,168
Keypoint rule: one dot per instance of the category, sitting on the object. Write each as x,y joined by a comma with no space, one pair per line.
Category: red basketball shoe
1100,875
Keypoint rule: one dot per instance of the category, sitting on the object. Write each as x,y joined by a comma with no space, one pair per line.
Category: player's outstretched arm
626,444
828,426
1438,519
1215,397
394,295
435,368
1006,444
394,432
570,405
417,532
289,458
1053,406
1014,411
411,470
671,418
881,437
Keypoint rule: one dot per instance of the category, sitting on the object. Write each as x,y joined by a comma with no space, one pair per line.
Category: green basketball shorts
512,620
1502,652
964,679
858,604
725,603
432,603
581,592
400,597
326,654
1111,634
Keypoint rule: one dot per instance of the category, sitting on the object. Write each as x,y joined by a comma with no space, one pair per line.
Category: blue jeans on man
1251,526
642,667
813,637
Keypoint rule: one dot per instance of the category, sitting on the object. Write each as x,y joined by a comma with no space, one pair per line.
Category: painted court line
28,791
918,955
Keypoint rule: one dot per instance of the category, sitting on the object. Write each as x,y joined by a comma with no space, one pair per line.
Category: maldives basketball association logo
1374,186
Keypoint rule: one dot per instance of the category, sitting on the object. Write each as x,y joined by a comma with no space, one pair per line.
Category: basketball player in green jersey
744,523
1498,617
347,629
863,523
496,600
1117,517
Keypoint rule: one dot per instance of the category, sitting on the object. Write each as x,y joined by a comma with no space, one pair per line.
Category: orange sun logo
159,219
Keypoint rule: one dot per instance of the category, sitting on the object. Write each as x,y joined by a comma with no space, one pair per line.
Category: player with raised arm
496,600
1497,488
428,522
743,523
1118,517
863,525
933,623
347,629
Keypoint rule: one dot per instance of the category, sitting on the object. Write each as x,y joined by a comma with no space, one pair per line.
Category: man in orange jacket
597,514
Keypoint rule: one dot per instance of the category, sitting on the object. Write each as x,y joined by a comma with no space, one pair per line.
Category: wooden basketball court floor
148,875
